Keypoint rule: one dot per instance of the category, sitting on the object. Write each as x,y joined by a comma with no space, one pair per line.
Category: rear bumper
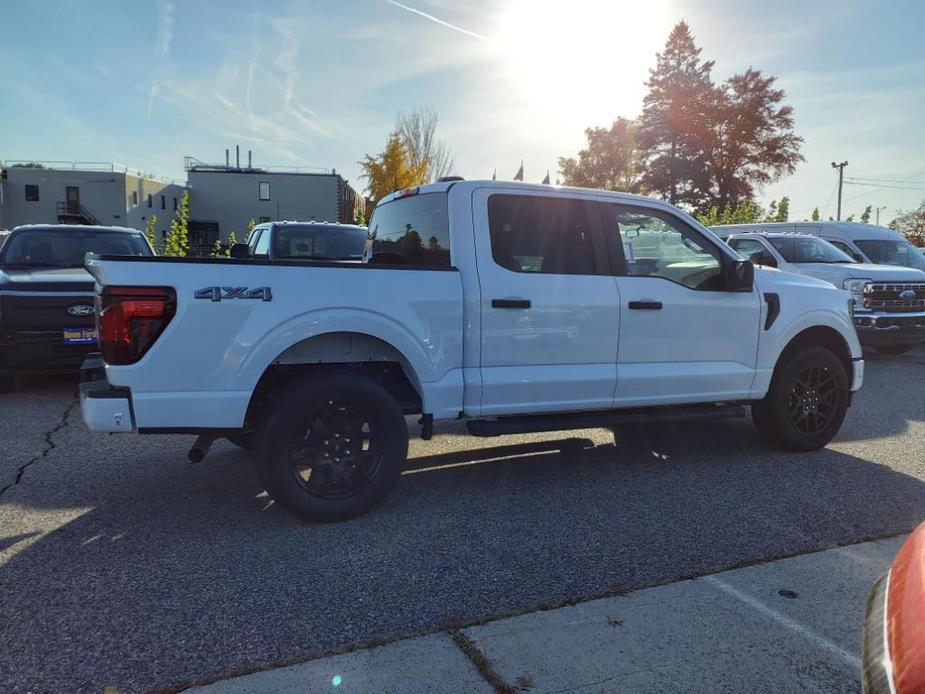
880,329
102,406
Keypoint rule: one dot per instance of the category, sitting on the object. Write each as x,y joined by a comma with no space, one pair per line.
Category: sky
318,83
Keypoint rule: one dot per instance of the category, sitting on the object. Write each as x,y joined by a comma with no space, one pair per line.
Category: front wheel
893,349
806,402
332,447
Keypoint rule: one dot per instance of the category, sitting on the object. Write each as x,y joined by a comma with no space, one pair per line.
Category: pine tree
815,216
177,244
151,232
865,216
783,210
674,132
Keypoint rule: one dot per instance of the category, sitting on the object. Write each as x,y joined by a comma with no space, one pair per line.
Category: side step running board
591,420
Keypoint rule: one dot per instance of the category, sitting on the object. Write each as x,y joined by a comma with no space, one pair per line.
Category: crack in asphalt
50,444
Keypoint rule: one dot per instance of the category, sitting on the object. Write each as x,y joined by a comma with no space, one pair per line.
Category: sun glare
583,60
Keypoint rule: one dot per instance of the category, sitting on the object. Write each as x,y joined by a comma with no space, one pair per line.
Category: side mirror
740,275
763,259
240,250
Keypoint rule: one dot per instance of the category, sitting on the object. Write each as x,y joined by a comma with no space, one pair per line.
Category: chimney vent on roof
237,156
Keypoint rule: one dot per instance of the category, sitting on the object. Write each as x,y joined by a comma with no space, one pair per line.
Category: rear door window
541,234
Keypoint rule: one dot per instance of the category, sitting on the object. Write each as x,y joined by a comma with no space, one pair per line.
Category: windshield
808,249
890,252
67,247
320,242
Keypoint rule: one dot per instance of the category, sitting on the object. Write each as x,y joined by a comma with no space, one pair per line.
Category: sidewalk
792,625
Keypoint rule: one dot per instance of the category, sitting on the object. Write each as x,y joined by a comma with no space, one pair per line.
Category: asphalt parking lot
122,564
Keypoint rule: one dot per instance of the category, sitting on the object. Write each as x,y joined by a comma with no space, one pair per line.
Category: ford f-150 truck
46,295
889,301
519,307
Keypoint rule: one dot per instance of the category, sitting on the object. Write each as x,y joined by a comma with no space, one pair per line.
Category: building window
264,220
263,189
134,197
163,202
150,201
174,204
32,192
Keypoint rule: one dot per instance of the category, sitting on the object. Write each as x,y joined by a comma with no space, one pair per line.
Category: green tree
359,216
611,161
771,216
391,170
177,244
151,232
865,215
912,224
783,210
745,213
674,128
815,216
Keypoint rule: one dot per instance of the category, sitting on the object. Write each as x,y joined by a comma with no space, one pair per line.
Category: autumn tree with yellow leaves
392,170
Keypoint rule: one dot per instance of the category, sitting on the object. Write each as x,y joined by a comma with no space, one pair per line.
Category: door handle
646,305
510,303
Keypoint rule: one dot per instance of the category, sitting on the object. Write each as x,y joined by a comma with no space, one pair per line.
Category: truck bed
207,363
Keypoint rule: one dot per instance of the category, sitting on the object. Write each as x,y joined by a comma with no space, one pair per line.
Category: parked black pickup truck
47,313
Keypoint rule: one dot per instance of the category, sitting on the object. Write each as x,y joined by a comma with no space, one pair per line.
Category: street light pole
878,214
841,172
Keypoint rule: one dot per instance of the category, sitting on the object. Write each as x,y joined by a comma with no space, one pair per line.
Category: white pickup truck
518,307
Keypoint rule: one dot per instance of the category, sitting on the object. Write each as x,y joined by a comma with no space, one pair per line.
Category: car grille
881,296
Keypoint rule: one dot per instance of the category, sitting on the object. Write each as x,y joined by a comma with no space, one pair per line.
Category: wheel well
358,352
820,336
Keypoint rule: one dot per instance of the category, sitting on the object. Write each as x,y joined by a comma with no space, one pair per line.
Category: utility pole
878,214
841,173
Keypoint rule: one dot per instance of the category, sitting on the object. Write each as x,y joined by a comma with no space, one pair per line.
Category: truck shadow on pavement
122,564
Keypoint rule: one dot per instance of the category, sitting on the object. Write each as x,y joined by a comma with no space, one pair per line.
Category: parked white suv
517,307
889,301
865,243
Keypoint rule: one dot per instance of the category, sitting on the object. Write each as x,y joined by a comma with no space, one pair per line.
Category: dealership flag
519,176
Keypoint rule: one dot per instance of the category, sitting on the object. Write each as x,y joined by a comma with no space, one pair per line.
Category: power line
883,180
850,182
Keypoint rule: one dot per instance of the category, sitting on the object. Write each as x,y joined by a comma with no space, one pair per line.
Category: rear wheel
893,349
806,402
333,446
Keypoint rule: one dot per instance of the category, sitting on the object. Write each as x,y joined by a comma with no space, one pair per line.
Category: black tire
893,349
245,440
332,447
806,402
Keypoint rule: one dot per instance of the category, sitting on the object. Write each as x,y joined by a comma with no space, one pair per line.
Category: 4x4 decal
223,293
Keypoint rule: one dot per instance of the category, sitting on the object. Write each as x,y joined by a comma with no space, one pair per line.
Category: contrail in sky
439,21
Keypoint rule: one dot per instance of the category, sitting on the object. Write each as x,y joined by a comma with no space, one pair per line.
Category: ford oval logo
81,310
907,295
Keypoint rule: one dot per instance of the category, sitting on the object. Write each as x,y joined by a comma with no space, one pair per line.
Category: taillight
130,319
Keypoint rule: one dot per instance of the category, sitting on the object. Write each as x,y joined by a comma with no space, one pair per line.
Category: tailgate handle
510,303
646,305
